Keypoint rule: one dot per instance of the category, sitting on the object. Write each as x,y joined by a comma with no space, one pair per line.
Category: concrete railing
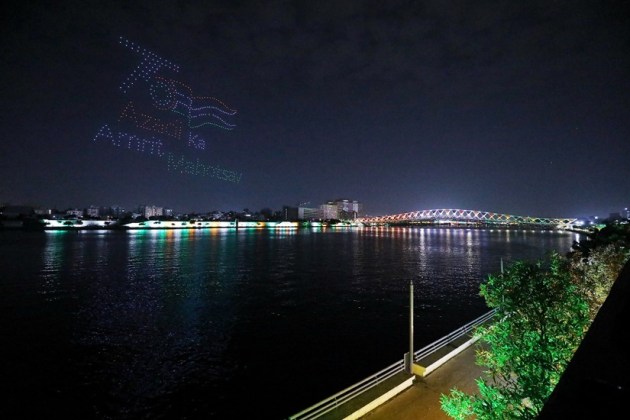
434,355
330,403
444,341
323,407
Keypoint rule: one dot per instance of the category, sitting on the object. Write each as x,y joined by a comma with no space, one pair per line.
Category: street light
409,356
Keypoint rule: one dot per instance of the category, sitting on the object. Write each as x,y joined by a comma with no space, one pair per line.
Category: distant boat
60,224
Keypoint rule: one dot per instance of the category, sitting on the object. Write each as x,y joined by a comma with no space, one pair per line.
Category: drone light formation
132,142
151,123
172,96
196,142
199,168
198,110
150,64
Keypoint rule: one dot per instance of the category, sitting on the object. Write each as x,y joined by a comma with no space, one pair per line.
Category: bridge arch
469,217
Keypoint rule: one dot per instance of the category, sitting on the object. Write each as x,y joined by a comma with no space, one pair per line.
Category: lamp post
410,356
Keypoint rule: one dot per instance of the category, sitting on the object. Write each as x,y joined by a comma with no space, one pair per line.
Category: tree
597,261
613,233
595,274
540,320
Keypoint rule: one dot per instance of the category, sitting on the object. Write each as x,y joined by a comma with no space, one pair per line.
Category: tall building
151,211
347,209
329,211
308,213
42,211
75,213
117,211
290,213
92,211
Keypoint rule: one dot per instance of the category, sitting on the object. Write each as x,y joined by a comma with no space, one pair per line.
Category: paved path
422,400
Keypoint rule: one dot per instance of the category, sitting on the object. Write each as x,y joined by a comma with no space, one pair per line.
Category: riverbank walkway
422,399
595,384
405,396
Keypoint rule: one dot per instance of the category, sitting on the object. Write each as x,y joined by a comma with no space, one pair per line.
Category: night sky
506,106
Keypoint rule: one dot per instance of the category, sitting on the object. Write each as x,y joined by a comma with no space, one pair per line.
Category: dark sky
506,106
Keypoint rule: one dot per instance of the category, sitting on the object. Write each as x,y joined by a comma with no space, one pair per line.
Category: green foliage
541,318
614,234
597,261
595,272
458,405
543,311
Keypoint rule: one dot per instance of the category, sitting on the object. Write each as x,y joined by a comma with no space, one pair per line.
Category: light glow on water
211,311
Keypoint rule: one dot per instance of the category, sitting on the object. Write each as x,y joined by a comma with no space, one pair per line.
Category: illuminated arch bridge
474,217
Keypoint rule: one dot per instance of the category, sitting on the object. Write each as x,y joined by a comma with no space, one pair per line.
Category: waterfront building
151,211
215,215
93,211
329,211
347,209
308,213
290,213
117,211
74,213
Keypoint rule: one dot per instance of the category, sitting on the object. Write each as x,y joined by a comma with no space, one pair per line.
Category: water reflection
159,313
53,258
166,322
65,251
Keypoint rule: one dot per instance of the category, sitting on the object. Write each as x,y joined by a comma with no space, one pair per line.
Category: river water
225,323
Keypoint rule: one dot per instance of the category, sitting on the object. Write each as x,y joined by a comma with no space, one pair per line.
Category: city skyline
330,210
511,108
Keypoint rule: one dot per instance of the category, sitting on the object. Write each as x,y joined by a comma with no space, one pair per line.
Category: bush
541,318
